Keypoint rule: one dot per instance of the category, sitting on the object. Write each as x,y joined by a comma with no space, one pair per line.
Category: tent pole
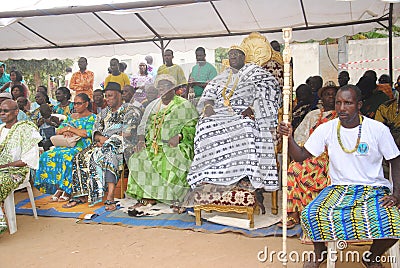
391,42
287,35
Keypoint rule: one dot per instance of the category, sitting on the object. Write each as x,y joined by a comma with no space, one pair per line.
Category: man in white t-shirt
360,203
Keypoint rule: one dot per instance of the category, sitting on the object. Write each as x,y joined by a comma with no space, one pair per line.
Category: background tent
64,29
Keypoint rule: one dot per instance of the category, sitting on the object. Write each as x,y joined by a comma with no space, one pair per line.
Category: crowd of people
343,141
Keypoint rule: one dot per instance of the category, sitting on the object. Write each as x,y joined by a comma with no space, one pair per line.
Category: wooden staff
287,94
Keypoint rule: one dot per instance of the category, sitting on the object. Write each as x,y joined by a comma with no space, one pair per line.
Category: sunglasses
7,110
79,103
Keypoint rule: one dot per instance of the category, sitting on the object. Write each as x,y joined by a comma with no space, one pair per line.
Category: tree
37,72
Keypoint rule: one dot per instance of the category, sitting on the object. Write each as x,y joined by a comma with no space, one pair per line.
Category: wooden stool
236,200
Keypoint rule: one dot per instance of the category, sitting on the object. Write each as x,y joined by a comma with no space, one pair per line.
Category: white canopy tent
65,29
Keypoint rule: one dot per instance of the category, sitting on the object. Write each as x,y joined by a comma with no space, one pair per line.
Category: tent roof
60,29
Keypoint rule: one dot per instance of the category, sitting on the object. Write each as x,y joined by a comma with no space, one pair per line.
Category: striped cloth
350,212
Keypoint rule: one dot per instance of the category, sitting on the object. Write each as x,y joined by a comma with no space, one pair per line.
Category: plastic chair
9,205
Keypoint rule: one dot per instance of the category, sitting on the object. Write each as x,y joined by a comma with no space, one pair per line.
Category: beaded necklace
227,98
358,138
157,127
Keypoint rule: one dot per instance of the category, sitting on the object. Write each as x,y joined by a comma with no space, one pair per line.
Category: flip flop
110,205
63,197
73,203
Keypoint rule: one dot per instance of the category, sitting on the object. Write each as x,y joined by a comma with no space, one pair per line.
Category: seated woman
164,151
65,106
306,179
55,167
18,151
96,169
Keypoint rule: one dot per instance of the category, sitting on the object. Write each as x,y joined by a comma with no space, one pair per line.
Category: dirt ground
58,242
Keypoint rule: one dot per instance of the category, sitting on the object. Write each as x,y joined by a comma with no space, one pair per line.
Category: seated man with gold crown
234,135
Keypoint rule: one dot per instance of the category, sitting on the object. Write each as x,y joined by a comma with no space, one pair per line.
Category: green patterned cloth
19,144
162,176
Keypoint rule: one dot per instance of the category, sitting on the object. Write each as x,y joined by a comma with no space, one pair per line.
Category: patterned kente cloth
20,143
306,179
229,147
343,212
55,165
162,175
90,165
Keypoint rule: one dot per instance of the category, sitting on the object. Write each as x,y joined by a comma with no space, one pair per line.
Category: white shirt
364,166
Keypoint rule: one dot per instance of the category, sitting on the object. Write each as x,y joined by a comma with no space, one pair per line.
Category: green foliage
220,54
36,72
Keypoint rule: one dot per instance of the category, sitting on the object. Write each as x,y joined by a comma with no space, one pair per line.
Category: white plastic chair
9,205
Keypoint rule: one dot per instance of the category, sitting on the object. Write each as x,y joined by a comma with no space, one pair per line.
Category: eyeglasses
7,110
79,103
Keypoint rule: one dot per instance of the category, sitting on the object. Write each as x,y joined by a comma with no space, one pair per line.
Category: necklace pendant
227,103
155,147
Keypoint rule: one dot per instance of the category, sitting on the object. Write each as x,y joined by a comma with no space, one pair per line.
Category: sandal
63,197
290,223
54,197
73,203
110,205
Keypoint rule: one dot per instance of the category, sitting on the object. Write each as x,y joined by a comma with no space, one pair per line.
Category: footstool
235,200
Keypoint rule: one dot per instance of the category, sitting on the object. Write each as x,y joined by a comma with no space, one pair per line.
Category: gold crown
237,48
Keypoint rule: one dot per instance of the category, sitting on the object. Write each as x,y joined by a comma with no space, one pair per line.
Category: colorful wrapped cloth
90,165
175,71
388,114
229,147
65,110
159,171
305,180
17,143
55,165
343,212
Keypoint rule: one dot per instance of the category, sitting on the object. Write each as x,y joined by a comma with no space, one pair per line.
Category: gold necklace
157,127
358,138
227,98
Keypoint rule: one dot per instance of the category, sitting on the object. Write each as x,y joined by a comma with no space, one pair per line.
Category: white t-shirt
364,166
